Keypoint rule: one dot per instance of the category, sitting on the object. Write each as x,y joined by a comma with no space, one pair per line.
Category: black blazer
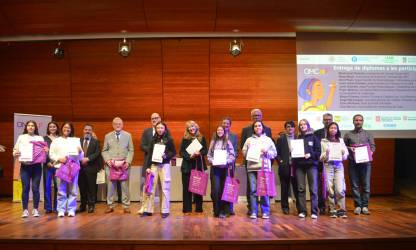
170,150
93,154
145,145
187,162
283,151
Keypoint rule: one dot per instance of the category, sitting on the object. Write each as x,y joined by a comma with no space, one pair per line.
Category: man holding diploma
359,163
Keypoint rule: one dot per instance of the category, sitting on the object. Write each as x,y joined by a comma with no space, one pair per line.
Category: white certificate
195,146
361,154
158,151
253,153
73,144
220,157
298,149
335,153
26,152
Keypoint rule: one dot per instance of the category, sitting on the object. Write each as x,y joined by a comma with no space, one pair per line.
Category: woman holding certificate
333,153
193,149
221,156
29,171
305,153
258,149
52,132
66,153
162,150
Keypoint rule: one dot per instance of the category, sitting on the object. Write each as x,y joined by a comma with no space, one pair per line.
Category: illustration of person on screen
312,91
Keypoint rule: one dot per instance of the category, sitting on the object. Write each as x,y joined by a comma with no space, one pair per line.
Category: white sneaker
25,213
61,214
314,216
71,214
35,212
265,216
302,215
253,216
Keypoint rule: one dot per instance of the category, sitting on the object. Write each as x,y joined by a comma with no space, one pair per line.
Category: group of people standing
325,176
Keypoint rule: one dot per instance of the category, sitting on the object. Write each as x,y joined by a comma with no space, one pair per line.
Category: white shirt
25,139
59,149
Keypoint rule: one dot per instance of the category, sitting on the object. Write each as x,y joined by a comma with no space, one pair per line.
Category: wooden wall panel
186,79
33,81
263,76
189,15
105,84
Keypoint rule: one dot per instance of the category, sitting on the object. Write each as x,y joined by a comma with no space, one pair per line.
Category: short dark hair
228,119
360,115
71,126
36,132
291,123
88,124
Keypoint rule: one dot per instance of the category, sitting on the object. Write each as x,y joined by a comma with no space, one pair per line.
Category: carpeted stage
391,225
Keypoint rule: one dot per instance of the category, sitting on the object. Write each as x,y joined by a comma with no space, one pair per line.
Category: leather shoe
286,211
144,214
109,210
81,209
165,215
127,210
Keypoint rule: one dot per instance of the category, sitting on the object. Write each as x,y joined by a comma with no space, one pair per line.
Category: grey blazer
123,148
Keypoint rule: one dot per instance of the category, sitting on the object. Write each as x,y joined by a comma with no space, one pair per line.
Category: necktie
118,136
85,146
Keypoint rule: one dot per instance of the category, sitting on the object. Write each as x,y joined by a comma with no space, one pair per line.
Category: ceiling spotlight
236,46
59,52
124,48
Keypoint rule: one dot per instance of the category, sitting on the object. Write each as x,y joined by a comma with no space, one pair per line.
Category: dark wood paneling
77,17
186,79
74,17
105,84
383,15
263,76
33,81
183,15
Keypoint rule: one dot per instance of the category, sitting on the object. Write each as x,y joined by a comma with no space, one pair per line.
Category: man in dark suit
321,134
256,115
90,164
286,167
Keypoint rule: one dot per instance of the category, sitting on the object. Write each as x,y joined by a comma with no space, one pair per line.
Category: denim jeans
360,175
67,195
264,200
335,186
311,172
49,178
30,173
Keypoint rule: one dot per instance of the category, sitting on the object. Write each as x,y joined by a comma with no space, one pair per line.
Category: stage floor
392,218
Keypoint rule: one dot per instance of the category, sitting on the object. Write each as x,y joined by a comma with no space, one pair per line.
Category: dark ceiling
82,17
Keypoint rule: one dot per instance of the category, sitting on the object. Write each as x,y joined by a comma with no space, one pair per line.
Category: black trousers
218,176
285,180
87,182
321,197
187,196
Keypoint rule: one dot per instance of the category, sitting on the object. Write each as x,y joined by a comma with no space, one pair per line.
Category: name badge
310,143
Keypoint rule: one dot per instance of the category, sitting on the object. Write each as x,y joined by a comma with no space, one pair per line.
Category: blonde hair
188,135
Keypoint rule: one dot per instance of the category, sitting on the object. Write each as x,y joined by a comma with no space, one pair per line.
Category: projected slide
380,87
